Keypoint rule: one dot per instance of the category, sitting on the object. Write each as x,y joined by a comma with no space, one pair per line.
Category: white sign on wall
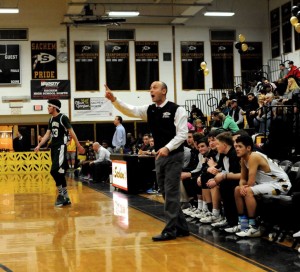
119,174
98,106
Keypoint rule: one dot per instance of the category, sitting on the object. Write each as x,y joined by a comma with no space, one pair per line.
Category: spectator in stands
101,155
215,122
22,142
282,73
190,126
199,127
227,121
104,143
71,152
195,113
222,102
251,108
269,86
260,176
240,97
293,70
292,87
236,113
261,119
231,94
227,107
119,138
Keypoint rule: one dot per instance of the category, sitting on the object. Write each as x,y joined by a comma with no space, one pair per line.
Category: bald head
96,146
158,92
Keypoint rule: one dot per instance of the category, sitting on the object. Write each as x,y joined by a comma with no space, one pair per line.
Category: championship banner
49,89
86,65
286,28
192,54
275,32
222,64
117,65
43,60
146,64
98,106
10,64
252,59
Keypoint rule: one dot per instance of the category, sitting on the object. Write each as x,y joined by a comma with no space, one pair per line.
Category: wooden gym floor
107,230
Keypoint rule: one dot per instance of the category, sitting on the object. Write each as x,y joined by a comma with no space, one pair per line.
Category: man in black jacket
251,108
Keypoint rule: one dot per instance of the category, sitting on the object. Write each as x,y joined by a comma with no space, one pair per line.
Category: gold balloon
206,72
294,20
242,38
297,28
203,65
244,47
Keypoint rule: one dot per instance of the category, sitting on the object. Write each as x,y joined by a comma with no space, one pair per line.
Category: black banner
48,89
43,60
117,65
192,54
9,64
286,27
252,59
275,32
147,64
222,64
86,65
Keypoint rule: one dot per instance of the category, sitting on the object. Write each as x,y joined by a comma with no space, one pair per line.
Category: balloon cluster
204,68
241,46
296,18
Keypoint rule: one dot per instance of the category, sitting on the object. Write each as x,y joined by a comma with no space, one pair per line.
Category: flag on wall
43,60
192,54
146,64
86,65
222,64
117,65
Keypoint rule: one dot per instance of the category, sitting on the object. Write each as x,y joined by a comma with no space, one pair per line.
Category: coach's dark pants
168,171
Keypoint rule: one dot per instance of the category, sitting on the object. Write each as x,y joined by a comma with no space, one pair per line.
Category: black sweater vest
161,123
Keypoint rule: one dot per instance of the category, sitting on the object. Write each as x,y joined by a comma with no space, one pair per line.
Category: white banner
99,106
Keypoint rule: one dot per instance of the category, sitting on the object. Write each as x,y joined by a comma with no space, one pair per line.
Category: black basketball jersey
59,126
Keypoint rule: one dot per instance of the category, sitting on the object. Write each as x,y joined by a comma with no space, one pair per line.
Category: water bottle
244,223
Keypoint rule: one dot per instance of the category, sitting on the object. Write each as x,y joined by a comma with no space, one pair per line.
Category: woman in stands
291,88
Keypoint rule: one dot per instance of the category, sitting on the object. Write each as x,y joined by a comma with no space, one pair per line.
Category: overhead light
9,10
218,13
123,13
